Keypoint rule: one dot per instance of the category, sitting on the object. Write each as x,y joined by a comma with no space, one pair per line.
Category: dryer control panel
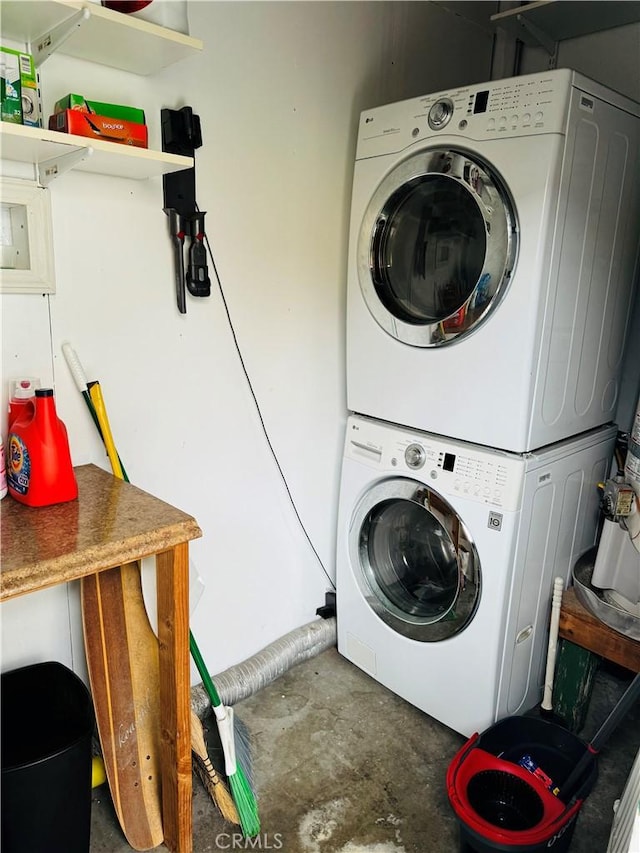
491,477
518,106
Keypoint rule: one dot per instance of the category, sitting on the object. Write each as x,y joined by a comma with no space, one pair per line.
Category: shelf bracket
42,47
538,35
50,169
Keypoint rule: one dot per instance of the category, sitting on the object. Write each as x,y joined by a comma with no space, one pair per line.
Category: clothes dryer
446,557
493,256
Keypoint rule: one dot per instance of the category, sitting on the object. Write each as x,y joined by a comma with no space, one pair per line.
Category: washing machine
493,257
446,557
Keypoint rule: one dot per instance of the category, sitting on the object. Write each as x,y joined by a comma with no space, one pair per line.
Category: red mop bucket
503,806
519,786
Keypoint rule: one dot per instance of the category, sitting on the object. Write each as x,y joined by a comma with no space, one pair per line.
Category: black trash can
47,726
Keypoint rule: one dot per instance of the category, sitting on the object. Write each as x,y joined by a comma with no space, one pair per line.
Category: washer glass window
413,560
419,568
437,247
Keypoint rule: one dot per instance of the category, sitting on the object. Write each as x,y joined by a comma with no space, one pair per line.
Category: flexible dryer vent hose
243,680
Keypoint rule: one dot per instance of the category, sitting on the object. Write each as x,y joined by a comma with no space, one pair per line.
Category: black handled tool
626,701
198,281
177,237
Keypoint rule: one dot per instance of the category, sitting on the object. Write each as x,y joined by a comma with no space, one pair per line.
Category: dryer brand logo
586,104
495,521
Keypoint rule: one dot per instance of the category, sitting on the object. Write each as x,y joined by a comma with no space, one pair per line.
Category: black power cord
258,410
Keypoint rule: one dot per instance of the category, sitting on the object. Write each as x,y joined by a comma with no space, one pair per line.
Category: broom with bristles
241,791
214,785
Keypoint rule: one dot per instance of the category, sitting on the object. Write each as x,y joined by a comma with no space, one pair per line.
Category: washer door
437,247
414,560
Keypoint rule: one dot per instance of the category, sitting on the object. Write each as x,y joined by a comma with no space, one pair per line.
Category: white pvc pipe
556,601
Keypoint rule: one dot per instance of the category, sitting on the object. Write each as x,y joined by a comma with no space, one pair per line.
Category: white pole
558,586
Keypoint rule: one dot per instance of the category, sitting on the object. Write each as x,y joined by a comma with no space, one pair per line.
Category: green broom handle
202,669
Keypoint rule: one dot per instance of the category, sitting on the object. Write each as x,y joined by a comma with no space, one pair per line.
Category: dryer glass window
412,558
429,250
436,248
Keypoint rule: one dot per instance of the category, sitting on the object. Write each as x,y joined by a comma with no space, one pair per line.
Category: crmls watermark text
237,841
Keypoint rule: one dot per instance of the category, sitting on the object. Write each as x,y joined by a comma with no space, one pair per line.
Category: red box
100,127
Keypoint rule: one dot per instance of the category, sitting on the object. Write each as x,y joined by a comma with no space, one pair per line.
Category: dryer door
437,247
415,561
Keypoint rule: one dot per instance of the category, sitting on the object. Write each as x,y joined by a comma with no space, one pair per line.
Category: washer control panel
492,477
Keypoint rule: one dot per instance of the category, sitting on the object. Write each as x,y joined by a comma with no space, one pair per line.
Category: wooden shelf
107,37
584,629
35,145
559,20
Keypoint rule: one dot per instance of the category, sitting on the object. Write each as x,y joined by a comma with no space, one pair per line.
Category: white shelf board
108,38
561,19
35,145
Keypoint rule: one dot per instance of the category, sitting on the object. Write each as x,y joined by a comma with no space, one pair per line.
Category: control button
538,117
476,490
526,118
492,124
440,114
415,456
486,492
462,124
514,119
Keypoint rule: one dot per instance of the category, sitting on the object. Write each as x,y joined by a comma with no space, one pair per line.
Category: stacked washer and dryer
494,246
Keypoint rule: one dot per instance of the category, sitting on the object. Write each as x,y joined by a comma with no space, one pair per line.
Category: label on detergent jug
3,470
19,467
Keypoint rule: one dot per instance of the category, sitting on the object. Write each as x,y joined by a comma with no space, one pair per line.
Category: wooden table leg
172,569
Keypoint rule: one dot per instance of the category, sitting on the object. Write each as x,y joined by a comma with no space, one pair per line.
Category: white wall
278,89
612,57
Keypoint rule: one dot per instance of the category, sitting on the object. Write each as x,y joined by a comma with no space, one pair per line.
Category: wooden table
113,523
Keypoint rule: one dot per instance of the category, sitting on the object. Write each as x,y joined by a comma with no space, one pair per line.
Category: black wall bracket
181,134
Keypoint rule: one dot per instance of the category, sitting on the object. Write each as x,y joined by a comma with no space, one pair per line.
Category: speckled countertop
111,523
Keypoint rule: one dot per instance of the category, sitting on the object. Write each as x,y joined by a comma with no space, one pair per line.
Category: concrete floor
342,765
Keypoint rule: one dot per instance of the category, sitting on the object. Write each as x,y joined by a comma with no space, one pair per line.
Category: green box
10,85
79,102
19,84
